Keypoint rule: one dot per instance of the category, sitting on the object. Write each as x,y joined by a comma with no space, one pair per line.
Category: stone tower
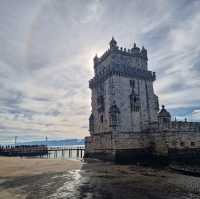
125,125
123,98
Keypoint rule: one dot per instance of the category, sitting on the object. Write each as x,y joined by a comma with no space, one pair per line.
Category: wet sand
15,166
57,179
19,176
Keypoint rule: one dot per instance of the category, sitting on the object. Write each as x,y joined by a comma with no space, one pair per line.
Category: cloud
46,59
196,114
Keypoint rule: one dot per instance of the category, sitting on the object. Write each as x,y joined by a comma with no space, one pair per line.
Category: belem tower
125,123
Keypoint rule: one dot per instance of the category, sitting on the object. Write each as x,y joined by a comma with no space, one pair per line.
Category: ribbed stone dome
164,112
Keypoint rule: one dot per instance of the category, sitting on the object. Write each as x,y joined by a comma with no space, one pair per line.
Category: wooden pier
24,150
77,152
43,151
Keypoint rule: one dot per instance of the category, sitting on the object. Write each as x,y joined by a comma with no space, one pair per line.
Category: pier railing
70,152
24,150
43,151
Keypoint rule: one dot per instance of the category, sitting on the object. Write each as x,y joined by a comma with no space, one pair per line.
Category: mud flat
15,166
57,179
19,175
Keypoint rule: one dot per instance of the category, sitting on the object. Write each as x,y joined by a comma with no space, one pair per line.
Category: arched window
114,116
132,83
101,118
91,123
135,102
192,143
100,103
182,144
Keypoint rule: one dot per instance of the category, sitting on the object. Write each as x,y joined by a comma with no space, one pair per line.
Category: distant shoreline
49,143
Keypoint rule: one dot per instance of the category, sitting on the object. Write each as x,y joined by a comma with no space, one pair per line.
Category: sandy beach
15,166
67,179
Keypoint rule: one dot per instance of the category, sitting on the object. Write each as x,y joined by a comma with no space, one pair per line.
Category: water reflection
97,180
68,190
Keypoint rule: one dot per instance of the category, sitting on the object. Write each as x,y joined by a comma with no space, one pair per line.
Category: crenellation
137,57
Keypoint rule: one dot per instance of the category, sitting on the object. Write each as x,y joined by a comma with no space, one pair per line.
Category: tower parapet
165,123
113,44
134,57
164,118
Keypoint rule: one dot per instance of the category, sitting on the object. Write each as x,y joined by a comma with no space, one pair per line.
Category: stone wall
158,144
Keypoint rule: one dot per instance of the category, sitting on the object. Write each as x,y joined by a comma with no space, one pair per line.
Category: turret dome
164,113
144,52
113,43
135,50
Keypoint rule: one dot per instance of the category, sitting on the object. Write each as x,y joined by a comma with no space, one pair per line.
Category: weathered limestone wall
115,141
101,66
122,57
118,89
159,143
131,60
182,140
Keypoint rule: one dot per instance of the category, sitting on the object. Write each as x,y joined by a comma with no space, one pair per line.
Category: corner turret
164,118
95,59
144,53
113,44
135,50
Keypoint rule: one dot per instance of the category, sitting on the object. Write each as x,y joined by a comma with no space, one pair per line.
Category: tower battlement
134,57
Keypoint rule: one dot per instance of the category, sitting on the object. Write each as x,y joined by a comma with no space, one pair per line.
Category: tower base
142,148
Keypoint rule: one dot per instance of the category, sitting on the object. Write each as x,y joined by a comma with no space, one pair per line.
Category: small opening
182,143
174,143
101,118
132,83
152,144
192,143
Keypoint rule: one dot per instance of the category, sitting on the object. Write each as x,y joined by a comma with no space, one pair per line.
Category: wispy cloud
46,58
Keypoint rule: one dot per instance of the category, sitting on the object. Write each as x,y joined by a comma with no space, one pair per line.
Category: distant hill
55,142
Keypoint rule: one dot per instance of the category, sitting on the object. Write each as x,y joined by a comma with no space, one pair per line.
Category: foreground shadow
100,180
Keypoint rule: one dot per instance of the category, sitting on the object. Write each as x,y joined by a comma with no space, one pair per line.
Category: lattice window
135,102
182,144
192,143
91,123
156,101
132,84
114,116
101,118
100,103
134,98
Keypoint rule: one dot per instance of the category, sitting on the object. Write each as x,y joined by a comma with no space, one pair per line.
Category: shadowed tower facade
123,98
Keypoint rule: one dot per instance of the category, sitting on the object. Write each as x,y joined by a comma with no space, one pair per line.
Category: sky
46,53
